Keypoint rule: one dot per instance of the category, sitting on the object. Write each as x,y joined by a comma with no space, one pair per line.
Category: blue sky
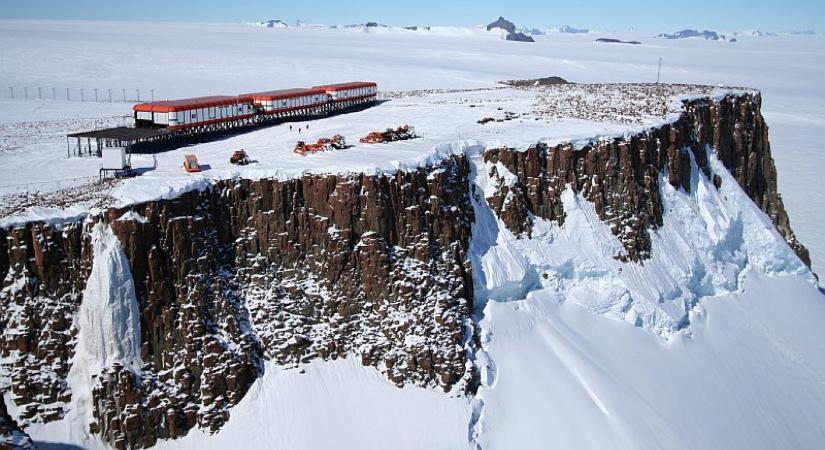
598,14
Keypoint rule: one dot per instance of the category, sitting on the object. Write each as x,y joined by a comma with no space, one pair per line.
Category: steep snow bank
751,377
337,404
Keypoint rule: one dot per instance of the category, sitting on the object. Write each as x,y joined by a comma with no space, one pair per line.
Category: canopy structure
96,140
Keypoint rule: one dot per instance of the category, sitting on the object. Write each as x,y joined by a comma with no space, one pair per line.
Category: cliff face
621,176
46,268
366,266
320,267
11,436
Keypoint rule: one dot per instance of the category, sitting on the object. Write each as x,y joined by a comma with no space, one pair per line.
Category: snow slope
338,404
708,240
751,376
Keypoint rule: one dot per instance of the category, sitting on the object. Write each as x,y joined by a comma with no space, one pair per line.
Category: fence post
68,95
54,93
26,92
110,95
11,89
39,93
95,95
138,94
124,95
81,94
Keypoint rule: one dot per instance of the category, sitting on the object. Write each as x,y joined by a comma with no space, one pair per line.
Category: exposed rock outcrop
688,33
318,267
544,81
11,436
617,41
621,176
46,268
510,28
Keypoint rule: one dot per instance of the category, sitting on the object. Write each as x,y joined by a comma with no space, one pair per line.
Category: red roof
190,103
343,86
284,93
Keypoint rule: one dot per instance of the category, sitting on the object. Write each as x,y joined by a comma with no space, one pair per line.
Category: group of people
299,128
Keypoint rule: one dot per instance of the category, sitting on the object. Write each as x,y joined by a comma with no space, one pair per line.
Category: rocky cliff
11,436
373,267
621,176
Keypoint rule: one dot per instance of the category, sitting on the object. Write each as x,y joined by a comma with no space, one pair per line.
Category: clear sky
670,15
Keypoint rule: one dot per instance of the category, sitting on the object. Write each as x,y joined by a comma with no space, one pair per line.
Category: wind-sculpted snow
749,376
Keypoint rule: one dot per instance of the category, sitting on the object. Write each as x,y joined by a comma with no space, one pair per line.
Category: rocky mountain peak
510,28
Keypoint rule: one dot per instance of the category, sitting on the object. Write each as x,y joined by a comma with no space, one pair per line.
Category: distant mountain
504,24
802,32
533,31
754,33
617,41
684,34
277,23
510,28
571,30
367,25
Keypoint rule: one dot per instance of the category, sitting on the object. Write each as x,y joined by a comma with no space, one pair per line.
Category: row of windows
203,114
294,102
358,92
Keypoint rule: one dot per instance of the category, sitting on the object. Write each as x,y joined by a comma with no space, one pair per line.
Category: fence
99,95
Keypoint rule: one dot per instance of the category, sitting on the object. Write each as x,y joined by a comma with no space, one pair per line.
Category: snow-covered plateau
587,270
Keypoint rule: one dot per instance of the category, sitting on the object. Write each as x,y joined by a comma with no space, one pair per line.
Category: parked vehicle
190,164
401,133
239,158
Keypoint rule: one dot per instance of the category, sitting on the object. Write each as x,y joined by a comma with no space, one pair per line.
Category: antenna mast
659,71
